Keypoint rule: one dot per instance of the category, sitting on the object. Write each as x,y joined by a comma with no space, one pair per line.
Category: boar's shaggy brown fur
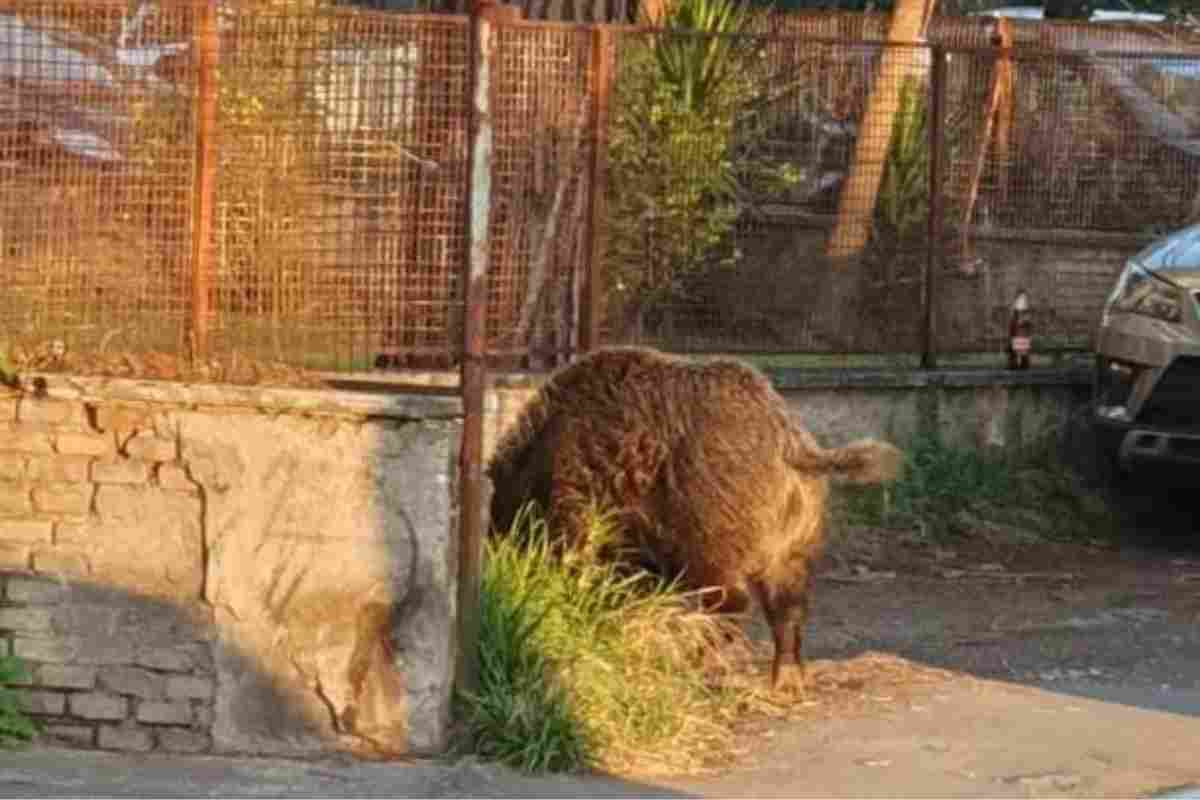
708,475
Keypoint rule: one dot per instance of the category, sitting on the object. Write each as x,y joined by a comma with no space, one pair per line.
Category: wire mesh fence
541,180
93,223
339,182
340,186
914,191
819,192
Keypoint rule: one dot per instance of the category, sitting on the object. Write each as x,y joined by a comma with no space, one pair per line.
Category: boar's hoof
788,679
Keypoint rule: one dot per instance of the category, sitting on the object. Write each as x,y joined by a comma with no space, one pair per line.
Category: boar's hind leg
728,600
786,609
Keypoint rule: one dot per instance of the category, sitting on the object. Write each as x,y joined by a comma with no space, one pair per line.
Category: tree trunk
856,207
847,325
652,12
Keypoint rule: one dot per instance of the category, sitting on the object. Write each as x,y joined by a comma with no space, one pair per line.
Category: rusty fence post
937,86
473,380
592,291
207,47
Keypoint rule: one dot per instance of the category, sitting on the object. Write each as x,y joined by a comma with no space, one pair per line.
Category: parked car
1096,15
1147,380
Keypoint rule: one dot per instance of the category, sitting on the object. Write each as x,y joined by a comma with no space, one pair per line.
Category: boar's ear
866,461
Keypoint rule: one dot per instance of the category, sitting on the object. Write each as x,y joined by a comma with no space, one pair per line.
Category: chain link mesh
771,213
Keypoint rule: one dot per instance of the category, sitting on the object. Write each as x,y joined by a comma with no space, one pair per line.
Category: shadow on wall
329,556
122,671
272,580
118,670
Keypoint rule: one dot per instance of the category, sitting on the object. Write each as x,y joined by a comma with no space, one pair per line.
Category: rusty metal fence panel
1051,167
340,187
539,205
95,178
775,219
339,183
1058,166
1073,152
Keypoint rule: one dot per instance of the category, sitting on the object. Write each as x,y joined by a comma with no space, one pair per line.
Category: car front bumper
1140,444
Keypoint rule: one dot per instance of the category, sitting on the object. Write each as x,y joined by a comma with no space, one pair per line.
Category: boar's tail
863,461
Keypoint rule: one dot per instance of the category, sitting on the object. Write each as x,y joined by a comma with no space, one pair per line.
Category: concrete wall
775,297
985,409
227,569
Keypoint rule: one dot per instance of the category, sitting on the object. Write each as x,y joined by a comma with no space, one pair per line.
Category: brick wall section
56,458
186,567
54,455
127,700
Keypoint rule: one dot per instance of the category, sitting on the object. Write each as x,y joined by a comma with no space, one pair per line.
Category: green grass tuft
15,727
948,491
519,715
585,664
937,483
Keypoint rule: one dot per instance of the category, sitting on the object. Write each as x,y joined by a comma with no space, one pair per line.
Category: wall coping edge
340,401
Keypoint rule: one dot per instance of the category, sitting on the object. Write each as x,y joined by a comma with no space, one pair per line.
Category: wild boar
708,475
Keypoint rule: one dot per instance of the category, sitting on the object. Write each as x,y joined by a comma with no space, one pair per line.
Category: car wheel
1091,452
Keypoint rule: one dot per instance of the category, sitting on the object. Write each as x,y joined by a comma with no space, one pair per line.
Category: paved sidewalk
974,739
74,773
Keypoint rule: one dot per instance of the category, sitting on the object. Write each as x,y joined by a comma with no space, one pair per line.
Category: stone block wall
200,569
775,297
156,693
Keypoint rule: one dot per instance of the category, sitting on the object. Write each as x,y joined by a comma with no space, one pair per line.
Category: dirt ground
894,617
999,605
1029,612
900,623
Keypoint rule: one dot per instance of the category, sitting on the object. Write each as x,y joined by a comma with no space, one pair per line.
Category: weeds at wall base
16,729
947,492
585,665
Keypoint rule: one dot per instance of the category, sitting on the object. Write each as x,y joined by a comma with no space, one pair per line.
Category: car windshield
1174,256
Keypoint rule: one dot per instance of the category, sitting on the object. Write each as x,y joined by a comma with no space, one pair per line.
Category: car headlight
1115,382
1142,292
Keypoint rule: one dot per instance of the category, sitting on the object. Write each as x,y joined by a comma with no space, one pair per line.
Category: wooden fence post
592,291
207,55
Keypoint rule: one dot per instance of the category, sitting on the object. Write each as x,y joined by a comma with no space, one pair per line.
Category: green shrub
584,664
904,195
947,490
684,152
15,727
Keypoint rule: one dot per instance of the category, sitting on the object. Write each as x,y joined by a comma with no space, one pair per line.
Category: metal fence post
937,82
484,18
207,45
592,291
